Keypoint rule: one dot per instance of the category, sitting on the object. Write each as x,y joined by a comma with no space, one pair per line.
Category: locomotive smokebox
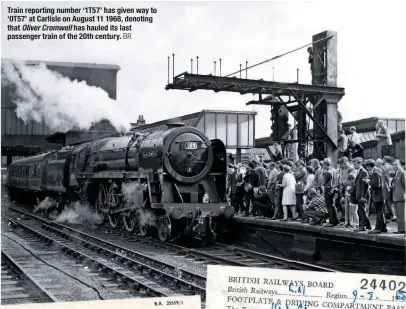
188,156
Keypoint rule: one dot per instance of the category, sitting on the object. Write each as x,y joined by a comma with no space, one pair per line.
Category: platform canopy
236,129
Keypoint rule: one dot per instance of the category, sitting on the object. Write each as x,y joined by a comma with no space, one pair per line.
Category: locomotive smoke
133,194
46,96
77,213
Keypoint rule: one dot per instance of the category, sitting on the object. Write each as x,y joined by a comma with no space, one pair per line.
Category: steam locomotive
151,183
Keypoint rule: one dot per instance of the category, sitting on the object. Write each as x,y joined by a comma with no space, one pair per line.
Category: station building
366,129
19,139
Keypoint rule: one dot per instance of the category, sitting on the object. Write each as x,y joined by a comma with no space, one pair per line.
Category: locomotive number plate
190,145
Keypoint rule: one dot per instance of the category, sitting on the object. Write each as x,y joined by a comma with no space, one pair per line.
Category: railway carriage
151,183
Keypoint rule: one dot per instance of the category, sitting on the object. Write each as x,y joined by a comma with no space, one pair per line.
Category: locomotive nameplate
149,154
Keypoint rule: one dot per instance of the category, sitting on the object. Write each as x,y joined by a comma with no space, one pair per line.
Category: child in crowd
350,203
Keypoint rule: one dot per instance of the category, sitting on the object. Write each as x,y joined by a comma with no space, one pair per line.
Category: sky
370,52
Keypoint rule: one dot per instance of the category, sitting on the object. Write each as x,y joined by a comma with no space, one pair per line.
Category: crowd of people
319,194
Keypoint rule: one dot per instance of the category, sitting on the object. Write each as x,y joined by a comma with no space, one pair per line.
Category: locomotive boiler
150,183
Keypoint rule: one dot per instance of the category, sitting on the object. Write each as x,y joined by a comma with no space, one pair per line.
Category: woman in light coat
288,197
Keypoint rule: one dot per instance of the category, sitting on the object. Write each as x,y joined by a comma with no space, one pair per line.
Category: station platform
336,247
339,230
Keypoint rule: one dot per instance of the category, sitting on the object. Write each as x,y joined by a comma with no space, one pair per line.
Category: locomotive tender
152,183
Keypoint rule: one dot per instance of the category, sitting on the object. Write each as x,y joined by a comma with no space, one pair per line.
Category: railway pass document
178,302
263,288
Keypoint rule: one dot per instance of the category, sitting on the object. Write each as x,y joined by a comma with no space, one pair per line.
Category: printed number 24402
391,285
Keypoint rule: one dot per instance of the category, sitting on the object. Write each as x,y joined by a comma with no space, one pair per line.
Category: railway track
150,277
215,253
221,254
17,286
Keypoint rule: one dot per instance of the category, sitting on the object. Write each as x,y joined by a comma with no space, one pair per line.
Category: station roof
67,64
187,120
367,125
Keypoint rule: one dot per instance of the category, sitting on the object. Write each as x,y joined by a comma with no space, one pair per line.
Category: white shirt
356,138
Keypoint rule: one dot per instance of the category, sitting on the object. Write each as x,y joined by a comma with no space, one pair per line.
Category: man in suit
398,191
361,189
376,183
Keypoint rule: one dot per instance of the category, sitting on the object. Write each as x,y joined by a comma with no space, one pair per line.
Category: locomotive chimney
140,121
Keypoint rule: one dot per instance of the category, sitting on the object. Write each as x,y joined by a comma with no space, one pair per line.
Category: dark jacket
240,189
358,151
252,177
301,175
361,187
262,176
376,185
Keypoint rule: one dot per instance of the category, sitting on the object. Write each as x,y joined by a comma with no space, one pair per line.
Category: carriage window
35,170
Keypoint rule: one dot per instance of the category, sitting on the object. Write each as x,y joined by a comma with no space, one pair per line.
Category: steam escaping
133,193
44,205
77,213
46,96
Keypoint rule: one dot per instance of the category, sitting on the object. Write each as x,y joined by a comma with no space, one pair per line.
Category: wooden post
238,156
